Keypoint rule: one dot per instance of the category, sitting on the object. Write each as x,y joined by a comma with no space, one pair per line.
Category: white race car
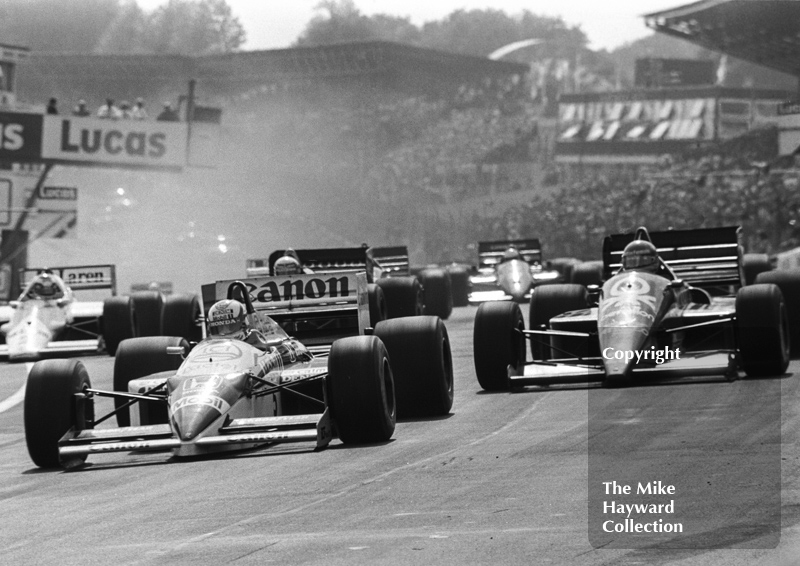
48,320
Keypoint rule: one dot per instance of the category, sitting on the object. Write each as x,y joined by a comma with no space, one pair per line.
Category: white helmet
287,265
227,319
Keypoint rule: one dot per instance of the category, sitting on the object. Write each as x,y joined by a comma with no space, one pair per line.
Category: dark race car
671,306
248,382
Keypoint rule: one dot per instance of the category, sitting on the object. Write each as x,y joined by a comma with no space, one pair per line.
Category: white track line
17,397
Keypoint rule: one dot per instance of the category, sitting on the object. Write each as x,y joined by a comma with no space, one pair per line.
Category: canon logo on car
11,137
112,141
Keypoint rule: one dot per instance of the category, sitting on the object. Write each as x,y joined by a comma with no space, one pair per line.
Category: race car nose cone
191,421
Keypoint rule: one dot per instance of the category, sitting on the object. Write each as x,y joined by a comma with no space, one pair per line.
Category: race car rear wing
392,260
315,309
704,257
491,253
323,260
78,278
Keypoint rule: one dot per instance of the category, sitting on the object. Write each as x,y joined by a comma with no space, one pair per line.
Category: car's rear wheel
360,390
548,301
140,357
148,307
377,304
118,322
762,330
422,364
497,342
403,296
587,273
459,279
753,265
789,284
52,408
437,289
181,316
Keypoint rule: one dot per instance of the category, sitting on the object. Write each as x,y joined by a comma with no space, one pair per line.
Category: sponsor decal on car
213,401
291,375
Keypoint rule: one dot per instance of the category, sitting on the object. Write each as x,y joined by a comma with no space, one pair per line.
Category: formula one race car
248,383
393,291
48,320
671,306
508,270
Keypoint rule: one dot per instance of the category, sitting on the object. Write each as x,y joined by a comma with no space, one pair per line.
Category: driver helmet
511,253
287,265
227,319
640,255
45,287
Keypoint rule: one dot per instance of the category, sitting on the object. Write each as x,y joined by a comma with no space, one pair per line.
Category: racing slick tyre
459,281
140,357
564,265
762,327
148,307
587,273
437,290
403,296
182,317
789,284
548,301
360,390
52,408
118,322
497,342
752,265
422,364
377,304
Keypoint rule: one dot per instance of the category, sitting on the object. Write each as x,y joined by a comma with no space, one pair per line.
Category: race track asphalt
504,479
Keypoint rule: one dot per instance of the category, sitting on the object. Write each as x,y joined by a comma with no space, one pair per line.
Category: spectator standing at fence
168,114
52,106
109,111
138,112
125,110
81,109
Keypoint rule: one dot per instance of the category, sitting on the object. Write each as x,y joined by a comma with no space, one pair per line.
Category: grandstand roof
390,66
766,32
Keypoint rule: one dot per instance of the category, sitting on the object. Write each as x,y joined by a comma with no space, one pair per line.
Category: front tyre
360,390
51,408
139,357
762,330
497,342
422,364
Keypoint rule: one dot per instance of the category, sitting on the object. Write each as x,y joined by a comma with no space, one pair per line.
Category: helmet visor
226,326
638,261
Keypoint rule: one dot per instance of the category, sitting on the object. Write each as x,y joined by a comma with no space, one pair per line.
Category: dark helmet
640,255
227,319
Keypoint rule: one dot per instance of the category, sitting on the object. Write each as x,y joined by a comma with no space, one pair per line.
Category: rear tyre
422,364
140,357
118,322
548,301
360,390
51,408
497,342
403,296
789,284
587,273
377,304
148,306
438,292
459,280
762,330
752,265
182,317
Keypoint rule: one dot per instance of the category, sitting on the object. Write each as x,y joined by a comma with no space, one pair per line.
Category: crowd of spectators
111,111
